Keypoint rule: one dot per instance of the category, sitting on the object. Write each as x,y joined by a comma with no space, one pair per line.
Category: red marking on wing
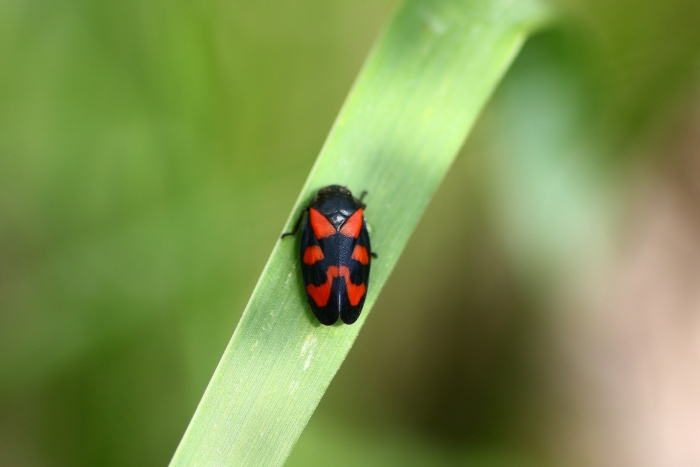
355,292
312,254
352,226
321,293
322,226
359,254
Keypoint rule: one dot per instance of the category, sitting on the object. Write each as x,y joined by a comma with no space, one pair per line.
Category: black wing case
316,275
359,274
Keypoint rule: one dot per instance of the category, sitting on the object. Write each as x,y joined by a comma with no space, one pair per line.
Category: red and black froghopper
335,254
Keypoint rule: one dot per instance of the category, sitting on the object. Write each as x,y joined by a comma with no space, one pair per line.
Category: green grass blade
401,127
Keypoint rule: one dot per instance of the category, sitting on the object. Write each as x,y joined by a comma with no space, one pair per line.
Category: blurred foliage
400,129
150,152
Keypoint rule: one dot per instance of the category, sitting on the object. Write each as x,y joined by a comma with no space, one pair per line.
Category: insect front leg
297,225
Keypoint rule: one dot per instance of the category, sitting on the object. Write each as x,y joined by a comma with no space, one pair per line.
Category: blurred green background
150,152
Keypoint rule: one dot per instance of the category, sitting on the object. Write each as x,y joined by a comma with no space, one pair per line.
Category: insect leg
298,223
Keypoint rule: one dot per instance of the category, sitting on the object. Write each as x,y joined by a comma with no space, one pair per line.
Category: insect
335,254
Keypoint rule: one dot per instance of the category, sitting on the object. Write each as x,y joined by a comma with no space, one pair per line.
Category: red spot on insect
322,226
359,254
352,226
312,254
322,293
355,292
